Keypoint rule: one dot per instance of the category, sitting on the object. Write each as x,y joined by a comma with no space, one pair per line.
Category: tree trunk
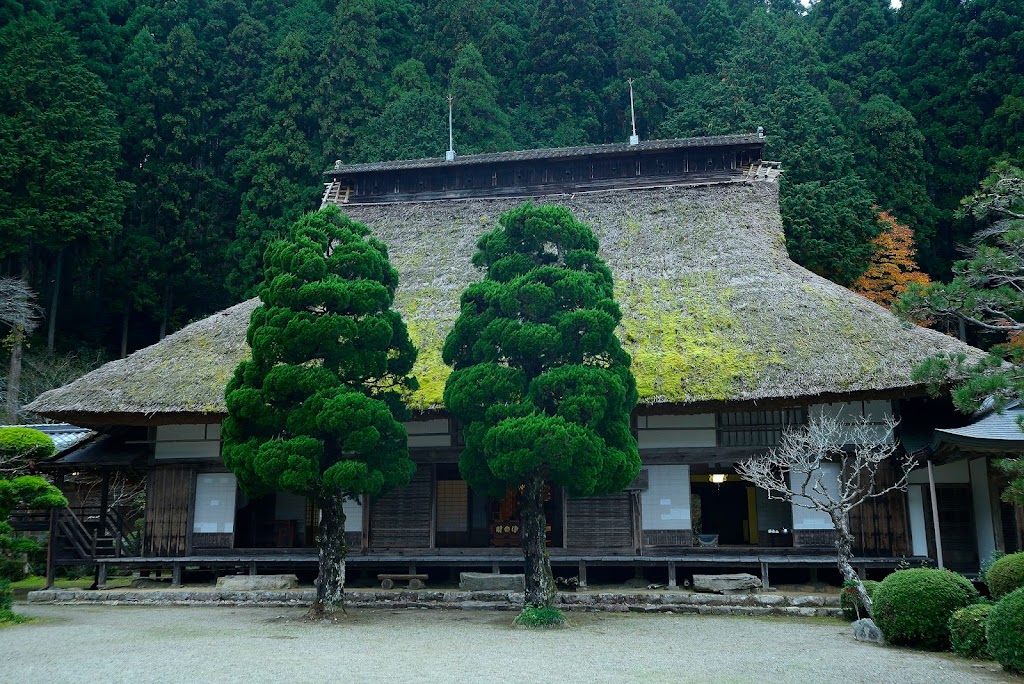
844,549
125,318
540,582
14,375
330,541
51,329
168,294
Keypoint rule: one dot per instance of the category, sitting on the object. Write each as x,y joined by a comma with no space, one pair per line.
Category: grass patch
539,617
10,618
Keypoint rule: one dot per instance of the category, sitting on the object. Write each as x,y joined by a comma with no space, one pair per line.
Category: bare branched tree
20,314
794,472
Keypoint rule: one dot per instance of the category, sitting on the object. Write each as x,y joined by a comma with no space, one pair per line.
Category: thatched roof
179,379
715,313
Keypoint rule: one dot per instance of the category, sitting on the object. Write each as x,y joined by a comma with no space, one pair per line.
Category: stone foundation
651,602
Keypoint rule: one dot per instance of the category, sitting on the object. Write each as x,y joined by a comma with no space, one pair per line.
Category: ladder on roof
335,193
764,171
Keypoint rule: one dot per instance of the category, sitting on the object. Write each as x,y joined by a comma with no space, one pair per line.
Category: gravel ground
173,644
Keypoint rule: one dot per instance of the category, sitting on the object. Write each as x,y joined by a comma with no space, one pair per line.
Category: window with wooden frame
757,428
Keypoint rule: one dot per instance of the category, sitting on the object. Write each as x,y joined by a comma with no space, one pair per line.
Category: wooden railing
84,532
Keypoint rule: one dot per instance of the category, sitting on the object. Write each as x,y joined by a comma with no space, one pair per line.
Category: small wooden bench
415,581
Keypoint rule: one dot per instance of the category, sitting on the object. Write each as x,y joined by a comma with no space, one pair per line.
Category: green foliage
540,380
913,607
12,569
1014,469
849,599
539,617
27,491
314,411
1006,575
1005,631
24,444
967,630
6,597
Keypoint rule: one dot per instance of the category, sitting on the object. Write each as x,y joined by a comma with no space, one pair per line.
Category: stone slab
726,584
485,581
257,582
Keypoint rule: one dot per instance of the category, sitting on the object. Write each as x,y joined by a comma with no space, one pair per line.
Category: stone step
660,602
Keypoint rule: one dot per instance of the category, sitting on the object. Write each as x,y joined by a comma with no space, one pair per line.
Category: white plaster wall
201,442
805,518
353,516
661,432
429,433
957,472
982,500
666,503
215,503
918,520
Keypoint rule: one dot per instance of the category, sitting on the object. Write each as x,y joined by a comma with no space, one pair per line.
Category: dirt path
153,644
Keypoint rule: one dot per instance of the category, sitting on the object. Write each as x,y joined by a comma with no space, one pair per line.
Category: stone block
865,629
485,581
257,582
721,584
815,601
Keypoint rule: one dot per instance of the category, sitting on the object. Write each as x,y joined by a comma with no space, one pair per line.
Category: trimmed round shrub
967,630
913,607
849,599
1006,575
1005,631
24,444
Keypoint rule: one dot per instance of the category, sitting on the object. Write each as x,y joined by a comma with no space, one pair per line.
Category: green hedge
24,444
12,569
967,630
1005,631
1006,575
849,599
913,607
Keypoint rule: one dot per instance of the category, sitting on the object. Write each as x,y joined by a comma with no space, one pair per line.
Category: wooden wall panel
401,519
169,495
599,522
881,526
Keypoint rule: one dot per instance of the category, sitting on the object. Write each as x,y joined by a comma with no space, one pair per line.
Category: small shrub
987,564
24,444
540,617
1006,575
913,607
6,595
12,569
967,630
849,599
1005,631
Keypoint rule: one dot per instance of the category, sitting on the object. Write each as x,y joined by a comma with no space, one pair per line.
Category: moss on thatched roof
713,308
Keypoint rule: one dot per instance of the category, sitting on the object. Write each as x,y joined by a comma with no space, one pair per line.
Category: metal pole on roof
633,139
450,154
935,516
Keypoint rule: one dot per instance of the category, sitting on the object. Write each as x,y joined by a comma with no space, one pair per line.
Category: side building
731,341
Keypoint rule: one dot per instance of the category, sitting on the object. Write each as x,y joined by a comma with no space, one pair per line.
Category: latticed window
757,428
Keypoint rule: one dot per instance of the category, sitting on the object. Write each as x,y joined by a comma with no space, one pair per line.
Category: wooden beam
935,516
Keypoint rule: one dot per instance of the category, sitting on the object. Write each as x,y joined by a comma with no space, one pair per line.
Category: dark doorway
956,524
725,511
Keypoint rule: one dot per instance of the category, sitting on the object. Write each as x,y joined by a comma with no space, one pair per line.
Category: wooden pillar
101,575
495,569
252,567
764,576
672,575
583,574
104,504
51,550
176,574
935,516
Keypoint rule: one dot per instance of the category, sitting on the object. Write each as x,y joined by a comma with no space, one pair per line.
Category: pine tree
539,379
314,412
480,123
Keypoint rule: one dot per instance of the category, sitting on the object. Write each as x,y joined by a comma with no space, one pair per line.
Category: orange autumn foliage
893,267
